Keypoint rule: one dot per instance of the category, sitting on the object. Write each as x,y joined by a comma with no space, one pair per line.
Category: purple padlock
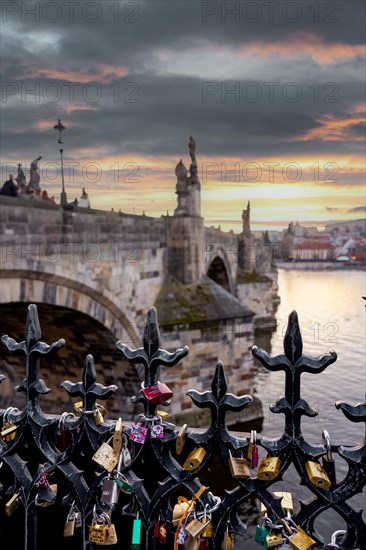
138,433
157,429
255,454
182,535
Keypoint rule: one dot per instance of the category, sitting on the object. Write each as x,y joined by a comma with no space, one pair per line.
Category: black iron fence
78,480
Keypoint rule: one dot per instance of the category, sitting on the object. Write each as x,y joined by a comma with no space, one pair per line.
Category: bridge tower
185,227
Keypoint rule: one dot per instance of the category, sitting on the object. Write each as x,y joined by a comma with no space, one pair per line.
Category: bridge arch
219,271
17,285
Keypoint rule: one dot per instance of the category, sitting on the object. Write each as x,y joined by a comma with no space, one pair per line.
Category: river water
331,313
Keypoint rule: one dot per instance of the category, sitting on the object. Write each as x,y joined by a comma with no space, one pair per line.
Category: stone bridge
113,266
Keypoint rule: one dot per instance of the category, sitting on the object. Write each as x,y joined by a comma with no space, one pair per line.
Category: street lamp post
63,196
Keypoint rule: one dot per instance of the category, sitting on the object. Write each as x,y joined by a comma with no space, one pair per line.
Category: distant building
312,250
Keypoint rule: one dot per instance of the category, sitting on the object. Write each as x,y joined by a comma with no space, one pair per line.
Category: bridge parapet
55,468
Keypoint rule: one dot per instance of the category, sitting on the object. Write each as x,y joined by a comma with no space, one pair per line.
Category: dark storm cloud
169,108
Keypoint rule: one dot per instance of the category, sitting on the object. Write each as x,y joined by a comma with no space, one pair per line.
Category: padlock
228,542
111,535
286,502
46,495
106,457
255,452
69,526
195,527
250,446
123,484
12,504
9,429
157,430
181,439
192,543
138,433
157,393
164,414
183,536
63,436
98,417
317,475
98,531
136,533
269,468
301,541
8,432
78,406
194,459
239,467
260,535
208,531
274,539
328,460
110,491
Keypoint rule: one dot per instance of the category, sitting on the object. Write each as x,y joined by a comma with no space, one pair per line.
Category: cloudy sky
273,92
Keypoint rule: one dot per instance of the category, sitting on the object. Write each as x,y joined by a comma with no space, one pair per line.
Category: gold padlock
239,467
69,527
98,532
181,439
228,542
78,406
98,417
208,532
194,459
317,475
195,527
12,504
269,468
286,502
274,539
111,535
301,541
8,432
164,415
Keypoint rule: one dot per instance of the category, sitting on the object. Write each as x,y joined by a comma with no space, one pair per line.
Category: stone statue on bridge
20,179
192,149
34,177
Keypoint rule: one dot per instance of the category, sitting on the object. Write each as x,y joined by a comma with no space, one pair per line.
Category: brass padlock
12,504
164,415
239,467
228,542
98,417
194,459
98,531
195,527
301,540
286,502
317,475
181,439
46,496
111,535
106,457
269,468
8,432
69,527
208,531
274,539
78,406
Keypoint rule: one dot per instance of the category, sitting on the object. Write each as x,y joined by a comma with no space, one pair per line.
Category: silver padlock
110,491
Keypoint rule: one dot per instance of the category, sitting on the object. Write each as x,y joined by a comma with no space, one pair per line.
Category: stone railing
75,479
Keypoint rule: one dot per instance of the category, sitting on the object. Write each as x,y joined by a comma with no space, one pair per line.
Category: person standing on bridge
9,188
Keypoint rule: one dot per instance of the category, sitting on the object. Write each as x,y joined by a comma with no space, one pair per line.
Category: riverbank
320,266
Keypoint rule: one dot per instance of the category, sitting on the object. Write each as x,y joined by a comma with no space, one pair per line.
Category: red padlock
158,393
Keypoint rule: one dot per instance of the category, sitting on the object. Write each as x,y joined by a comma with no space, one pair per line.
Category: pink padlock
138,433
